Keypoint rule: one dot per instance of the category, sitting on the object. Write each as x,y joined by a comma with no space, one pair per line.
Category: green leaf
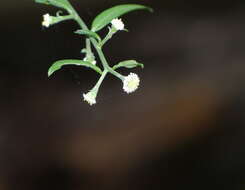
58,64
64,4
108,15
89,34
128,64
42,2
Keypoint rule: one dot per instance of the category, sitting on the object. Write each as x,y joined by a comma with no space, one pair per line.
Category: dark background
182,129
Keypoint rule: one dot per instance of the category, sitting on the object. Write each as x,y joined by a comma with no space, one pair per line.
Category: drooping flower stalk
130,82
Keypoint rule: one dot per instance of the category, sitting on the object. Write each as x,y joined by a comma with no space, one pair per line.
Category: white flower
90,98
47,19
131,83
117,24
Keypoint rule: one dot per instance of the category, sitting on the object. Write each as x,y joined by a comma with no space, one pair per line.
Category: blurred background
182,129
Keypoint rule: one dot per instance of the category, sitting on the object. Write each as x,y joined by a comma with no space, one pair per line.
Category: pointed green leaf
108,15
128,64
58,64
64,4
89,34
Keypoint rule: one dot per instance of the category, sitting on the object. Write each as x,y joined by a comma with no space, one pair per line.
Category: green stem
102,77
104,61
68,17
105,64
108,36
59,19
78,19
83,26
88,46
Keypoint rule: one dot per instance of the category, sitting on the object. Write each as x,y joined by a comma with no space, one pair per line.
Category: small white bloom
131,83
117,24
47,19
90,98
86,59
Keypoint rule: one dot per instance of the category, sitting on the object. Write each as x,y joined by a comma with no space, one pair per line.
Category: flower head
117,24
131,83
90,97
47,20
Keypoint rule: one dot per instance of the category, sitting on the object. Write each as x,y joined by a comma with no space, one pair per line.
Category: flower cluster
94,41
130,82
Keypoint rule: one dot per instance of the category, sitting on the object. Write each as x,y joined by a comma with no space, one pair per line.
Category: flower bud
92,60
47,20
90,97
117,24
